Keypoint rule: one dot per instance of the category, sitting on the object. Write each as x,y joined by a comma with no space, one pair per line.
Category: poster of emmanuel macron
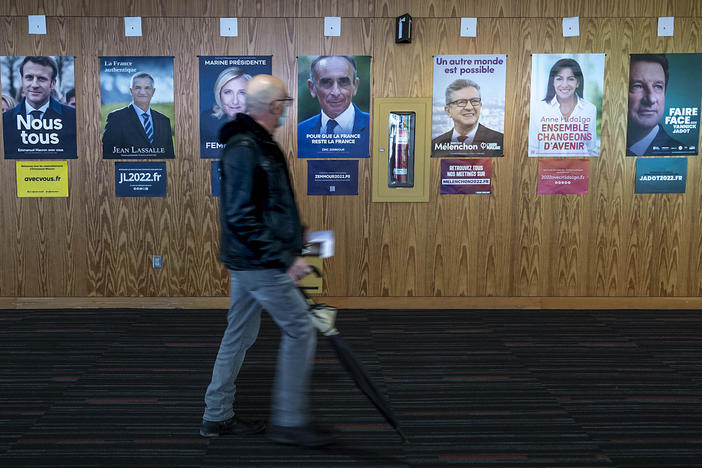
38,122
137,107
334,100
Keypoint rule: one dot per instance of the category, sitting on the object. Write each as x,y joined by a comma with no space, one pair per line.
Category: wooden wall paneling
142,226
356,8
313,210
343,8
545,209
397,250
690,41
187,202
639,248
692,252
463,237
527,215
445,259
492,217
13,264
692,241
44,250
674,262
654,244
76,269
607,182
610,242
311,8
347,216
536,8
403,252
633,238
672,265
566,221
98,39
450,8
208,276
504,176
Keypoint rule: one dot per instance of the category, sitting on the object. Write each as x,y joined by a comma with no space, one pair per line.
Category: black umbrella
323,317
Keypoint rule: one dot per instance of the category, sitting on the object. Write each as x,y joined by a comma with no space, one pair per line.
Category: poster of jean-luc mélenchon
468,116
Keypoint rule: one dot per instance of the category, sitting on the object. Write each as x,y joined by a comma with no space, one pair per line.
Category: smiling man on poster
341,128
648,83
39,126
138,130
468,135
468,105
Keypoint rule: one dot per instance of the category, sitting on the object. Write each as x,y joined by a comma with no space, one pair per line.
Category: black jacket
260,223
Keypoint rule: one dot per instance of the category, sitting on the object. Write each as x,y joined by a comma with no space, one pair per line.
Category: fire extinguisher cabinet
401,149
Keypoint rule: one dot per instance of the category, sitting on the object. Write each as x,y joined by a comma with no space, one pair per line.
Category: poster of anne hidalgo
38,107
566,105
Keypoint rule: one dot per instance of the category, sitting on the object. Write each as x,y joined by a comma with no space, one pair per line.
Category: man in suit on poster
39,126
648,82
463,105
138,130
334,82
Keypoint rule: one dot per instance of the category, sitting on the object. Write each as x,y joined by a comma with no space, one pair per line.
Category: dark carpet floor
470,388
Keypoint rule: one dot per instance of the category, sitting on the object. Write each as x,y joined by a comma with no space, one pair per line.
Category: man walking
261,242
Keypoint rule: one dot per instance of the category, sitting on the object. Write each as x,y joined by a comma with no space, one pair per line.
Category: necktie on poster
148,128
331,125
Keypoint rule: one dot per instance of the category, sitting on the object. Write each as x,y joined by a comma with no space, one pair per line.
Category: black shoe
232,425
304,436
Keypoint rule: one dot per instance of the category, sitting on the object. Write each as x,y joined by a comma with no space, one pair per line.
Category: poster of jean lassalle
566,105
38,105
136,95
333,106
468,116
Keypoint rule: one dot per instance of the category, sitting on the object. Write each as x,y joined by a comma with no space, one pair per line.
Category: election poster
332,177
223,94
138,113
42,178
563,176
140,179
466,176
664,104
215,178
566,105
468,106
38,107
333,111
661,175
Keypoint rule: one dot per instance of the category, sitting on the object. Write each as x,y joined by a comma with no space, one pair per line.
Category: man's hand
299,269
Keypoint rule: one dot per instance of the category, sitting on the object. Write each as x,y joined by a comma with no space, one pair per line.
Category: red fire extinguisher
400,149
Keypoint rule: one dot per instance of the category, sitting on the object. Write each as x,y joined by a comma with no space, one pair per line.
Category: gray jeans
274,291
